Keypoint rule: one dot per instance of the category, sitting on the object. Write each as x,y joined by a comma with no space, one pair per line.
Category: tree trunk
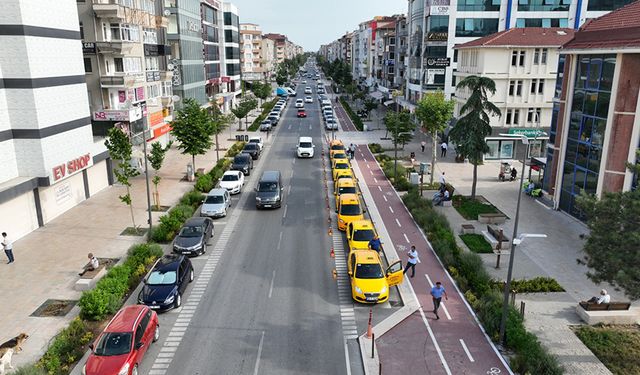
475,180
193,163
133,219
434,145
217,149
156,197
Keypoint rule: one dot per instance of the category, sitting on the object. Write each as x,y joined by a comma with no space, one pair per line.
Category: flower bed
470,209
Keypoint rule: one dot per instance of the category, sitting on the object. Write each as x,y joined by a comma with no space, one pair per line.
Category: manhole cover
54,307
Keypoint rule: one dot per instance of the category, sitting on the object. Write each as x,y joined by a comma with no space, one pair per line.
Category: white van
291,91
325,102
305,147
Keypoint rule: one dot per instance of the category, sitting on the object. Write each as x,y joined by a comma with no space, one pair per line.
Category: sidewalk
48,259
548,315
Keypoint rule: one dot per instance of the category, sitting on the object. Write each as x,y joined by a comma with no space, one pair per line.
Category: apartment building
280,42
251,52
213,58
232,71
523,63
268,57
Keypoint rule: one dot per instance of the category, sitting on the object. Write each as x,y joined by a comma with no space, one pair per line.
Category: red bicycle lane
341,114
420,344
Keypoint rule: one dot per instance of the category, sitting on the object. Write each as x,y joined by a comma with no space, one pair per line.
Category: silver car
216,203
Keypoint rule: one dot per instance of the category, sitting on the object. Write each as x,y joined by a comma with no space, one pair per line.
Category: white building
523,63
232,72
50,159
251,52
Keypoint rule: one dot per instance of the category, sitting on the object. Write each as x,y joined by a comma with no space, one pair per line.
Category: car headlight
358,290
258,199
170,299
124,370
383,290
341,221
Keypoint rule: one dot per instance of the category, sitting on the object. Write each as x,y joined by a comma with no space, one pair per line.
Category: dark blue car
166,283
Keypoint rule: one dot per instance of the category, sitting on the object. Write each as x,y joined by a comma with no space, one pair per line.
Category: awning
388,102
376,95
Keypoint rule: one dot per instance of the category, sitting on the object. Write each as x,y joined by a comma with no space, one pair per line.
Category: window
536,56
543,5
514,58
521,58
533,115
542,22
167,89
475,27
533,86
439,23
150,36
152,63
607,4
479,5
87,65
543,57
541,86
81,31
512,88
508,116
114,31
131,64
153,91
247,36
130,33
209,14
516,117
119,66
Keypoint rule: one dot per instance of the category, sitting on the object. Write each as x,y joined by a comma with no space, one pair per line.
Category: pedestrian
375,243
443,150
352,148
8,247
436,293
91,266
412,261
423,144
443,181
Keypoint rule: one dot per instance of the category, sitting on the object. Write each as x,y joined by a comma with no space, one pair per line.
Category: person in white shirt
604,297
443,150
412,261
8,247
443,181
91,266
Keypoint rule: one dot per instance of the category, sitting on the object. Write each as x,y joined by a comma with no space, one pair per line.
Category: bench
492,235
449,201
467,229
90,278
608,313
493,218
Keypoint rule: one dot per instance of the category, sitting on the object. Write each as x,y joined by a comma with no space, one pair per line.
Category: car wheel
191,277
204,248
135,370
156,334
225,213
178,302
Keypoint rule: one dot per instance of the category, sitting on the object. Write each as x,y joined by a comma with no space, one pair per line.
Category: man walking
352,150
443,150
411,262
423,144
436,293
8,247
375,244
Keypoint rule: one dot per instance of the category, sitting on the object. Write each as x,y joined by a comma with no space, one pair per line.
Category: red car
302,113
122,345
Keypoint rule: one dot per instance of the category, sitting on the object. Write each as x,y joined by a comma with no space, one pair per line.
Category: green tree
400,126
156,159
243,108
434,111
370,105
193,129
120,150
261,90
281,76
611,249
471,129
220,122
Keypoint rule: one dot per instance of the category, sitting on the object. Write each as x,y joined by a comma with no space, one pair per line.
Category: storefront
504,145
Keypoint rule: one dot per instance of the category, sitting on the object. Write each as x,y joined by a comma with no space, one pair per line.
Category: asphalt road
271,304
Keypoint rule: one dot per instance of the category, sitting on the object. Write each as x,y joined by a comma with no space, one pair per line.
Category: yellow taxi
359,233
336,144
339,165
345,185
370,283
338,154
349,209
342,173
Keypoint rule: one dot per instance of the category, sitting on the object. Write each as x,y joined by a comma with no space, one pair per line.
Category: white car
257,140
275,114
305,147
233,181
299,103
331,124
308,99
304,82
216,203
307,90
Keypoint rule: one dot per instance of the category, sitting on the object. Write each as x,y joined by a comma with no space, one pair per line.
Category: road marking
294,161
379,188
406,238
444,308
368,166
346,356
391,209
466,350
289,127
398,222
385,198
284,216
273,277
375,180
257,366
289,190
279,241
291,174
309,126
371,172
435,343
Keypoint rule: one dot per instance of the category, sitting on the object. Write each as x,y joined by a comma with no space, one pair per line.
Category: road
264,300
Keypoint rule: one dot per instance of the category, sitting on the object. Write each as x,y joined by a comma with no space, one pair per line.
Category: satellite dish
175,98
167,12
170,66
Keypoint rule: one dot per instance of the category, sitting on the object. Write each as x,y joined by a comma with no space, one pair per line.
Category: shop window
87,65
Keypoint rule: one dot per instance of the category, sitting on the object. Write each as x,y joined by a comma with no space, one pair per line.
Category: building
280,42
401,50
51,160
268,57
231,78
523,63
595,127
257,57
211,16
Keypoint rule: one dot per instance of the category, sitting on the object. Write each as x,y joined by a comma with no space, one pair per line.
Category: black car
273,119
166,283
243,163
193,236
252,149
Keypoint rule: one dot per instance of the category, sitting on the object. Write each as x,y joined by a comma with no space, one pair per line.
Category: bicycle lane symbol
494,371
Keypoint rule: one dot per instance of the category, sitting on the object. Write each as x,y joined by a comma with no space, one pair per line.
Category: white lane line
466,350
435,343
309,126
289,190
368,166
289,126
391,209
294,161
279,241
257,366
406,238
284,216
385,198
371,172
291,173
375,180
273,277
398,222
379,188
346,356
444,308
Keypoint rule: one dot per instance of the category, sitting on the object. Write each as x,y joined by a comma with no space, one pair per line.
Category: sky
310,23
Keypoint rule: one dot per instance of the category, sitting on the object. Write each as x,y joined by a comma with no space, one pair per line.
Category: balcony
124,80
116,47
109,9
166,75
162,22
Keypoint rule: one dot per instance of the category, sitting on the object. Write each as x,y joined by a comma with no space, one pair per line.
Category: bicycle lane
461,347
341,114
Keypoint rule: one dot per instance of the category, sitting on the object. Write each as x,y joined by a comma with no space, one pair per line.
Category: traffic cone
332,254
335,274
330,232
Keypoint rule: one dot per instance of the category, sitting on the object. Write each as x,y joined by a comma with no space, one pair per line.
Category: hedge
482,293
387,164
266,108
234,149
357,121
65,349
375,148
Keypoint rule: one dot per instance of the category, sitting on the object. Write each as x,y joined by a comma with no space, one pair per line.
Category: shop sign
225,79
115,115
527,132
157,132
439,10
89,48
62,193
71,167
214,81
437,36
438,62
156,118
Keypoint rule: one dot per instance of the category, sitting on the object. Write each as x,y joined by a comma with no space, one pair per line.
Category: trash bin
365,127
414,178
190,173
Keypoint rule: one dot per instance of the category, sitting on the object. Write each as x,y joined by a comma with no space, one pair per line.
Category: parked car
233,181
121,346
216,203
193,236
265,125
370,282
257,140
301,113
251,149
274,114
166,283
273,119
331,124
243,163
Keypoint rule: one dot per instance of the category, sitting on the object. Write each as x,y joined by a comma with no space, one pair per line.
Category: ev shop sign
72,166
439,10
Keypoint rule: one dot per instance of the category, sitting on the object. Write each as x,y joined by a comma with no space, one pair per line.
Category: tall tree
156,159
261,90
243,108
220,122
370,105
400,126
470,131
433,111
193,129
120,150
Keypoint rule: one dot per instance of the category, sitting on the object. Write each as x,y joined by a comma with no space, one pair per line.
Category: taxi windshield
350,209
369,271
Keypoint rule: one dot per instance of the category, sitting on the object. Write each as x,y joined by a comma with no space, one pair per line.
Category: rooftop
524,37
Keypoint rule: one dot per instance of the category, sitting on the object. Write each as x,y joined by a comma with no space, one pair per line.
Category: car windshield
213,199
250,146
162,278
363,235
305,145
191,231
240,159
230,177
337,147
267,186
350,209
256,141
347,190
113,343
342,166
369,271
339,155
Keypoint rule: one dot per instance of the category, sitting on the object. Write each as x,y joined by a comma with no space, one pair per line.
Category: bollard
330,232
373,346
380,368
332,253
335,274
369,327
522,306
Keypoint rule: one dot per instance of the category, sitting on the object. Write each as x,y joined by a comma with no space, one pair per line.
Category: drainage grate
54,307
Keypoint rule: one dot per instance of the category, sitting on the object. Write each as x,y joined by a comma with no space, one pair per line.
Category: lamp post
146,179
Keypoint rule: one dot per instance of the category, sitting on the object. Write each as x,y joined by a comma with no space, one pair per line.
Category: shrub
476,243
182,212
381,158
469,208
618,347
161,233
536,285
234,149
65,349
375,148
266,108
31,369
357,121
204,183
192,198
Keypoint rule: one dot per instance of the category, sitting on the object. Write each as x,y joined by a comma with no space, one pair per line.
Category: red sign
161,130
122,96
71,167
156,118
225,79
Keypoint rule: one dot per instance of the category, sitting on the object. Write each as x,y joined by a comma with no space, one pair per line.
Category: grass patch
536,285
476,243
470,208
618,347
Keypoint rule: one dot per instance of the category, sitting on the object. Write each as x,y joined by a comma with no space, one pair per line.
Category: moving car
370,283
216,203
251,149
305,147
121,346
265,125
307,90
291,91
349,209
359,233
194,235
233,181
299,103
302,113
269,190
308,99
167,281
257,140
243,163
344,185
